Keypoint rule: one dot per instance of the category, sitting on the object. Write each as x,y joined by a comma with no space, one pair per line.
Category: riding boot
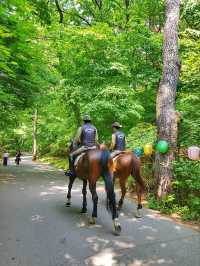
71,171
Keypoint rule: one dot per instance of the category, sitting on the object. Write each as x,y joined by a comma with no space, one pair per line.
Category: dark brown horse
124,165
92,165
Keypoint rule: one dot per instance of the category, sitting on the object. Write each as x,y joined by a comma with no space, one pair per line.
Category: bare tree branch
98,3
84,19
59,11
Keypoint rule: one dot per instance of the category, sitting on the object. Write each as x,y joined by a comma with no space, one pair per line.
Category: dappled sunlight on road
124,245
148,228
37,216
141,242
123,252
70,260
61,188
7,178
120,252
105,257
44,193
157,215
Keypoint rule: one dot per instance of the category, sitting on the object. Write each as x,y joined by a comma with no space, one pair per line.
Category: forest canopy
68,58
61,59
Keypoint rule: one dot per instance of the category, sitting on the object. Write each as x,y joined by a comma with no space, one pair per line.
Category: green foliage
191,13
188,92
166,205
187,186
95,62
142,134
105,59
185,197
24,73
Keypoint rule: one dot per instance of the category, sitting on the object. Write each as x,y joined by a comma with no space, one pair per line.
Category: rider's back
88,135
119,141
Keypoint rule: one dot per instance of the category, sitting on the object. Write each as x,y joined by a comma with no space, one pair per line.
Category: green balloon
162,146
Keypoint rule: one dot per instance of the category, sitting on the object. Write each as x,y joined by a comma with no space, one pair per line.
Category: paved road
36,229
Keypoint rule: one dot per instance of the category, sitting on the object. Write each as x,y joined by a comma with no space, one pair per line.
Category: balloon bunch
162,146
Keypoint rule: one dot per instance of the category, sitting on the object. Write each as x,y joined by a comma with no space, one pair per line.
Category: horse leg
112,203
139,198
140,187
95,203
71,181
108,202
122,182
84,192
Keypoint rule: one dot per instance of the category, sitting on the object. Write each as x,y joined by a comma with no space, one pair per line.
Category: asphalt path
36,229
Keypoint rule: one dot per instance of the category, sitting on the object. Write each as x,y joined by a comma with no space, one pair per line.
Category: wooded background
62,59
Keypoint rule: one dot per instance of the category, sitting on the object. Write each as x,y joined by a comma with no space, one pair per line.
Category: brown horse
124,165
92,165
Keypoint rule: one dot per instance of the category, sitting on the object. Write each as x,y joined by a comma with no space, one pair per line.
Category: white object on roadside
194,153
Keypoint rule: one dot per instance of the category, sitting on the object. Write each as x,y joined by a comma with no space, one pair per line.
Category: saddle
79,156
115,154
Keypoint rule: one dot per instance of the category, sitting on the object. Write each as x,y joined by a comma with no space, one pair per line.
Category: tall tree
166,99
34,150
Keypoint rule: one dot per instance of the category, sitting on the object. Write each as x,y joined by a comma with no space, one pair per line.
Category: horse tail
136,172
105,156
106,172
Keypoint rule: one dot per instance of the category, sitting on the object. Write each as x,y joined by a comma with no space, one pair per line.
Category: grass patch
58,162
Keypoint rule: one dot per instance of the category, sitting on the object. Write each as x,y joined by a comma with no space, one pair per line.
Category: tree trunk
127,4
166,99
77,114
34,149
59,11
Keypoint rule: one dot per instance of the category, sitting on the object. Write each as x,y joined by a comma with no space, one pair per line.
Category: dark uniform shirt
118,141
87,135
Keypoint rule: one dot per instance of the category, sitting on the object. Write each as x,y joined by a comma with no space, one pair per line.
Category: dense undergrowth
185,196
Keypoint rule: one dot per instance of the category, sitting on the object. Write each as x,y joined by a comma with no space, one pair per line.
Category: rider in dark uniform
118,140
18,157
86,138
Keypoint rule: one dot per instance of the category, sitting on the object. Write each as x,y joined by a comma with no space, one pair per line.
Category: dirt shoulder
175,216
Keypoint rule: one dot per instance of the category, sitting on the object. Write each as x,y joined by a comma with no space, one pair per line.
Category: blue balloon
138,151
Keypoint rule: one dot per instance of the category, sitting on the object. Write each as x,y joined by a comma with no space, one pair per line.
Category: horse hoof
68,203
84,210
117,230
117,227
92,220
138,214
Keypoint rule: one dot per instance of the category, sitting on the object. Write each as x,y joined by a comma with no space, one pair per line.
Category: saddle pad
83,153
117,155
78,158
